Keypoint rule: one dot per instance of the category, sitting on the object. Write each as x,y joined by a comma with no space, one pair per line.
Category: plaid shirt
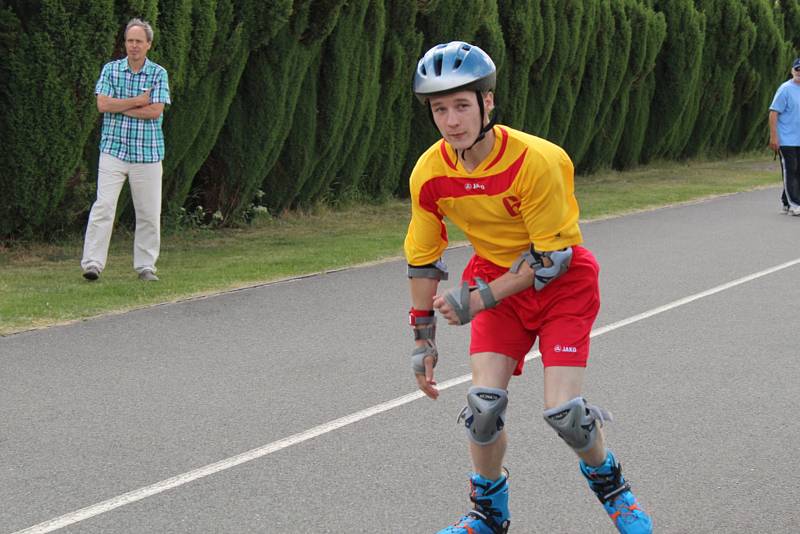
129,139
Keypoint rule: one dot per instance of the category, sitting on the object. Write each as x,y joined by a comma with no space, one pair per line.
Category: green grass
41,284
614,193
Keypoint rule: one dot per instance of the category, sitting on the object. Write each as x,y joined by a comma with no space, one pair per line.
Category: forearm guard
458,298
424,324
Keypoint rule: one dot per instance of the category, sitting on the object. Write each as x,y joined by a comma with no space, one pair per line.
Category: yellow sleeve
426,239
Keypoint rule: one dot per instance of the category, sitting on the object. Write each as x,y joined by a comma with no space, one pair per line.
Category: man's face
136,43
457,116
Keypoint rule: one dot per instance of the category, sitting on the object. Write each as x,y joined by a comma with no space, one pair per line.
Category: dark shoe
148,276
91,273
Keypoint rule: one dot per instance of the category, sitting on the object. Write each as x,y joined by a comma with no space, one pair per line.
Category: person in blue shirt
131,95
784,137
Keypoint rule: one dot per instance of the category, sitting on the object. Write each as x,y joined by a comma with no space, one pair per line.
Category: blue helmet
455,66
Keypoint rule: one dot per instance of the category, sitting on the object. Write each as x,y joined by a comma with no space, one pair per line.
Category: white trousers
145,183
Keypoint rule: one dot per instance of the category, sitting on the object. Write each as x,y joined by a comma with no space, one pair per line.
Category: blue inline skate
615,494
490,514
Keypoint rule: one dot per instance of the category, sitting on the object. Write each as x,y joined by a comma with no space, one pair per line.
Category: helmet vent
457,63
437,64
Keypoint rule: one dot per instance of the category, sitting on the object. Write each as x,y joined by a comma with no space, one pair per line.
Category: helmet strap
484,129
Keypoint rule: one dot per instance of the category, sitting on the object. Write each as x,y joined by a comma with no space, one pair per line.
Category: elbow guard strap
559,263
434,271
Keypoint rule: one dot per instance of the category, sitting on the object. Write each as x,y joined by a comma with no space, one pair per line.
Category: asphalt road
137,423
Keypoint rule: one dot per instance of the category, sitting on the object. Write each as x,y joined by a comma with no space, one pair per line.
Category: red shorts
561,315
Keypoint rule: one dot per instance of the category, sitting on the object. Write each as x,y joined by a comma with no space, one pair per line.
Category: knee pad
484,414
575,422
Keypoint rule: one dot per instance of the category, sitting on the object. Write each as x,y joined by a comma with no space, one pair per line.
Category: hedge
309,101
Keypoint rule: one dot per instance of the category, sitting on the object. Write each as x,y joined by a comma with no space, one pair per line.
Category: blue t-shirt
787,104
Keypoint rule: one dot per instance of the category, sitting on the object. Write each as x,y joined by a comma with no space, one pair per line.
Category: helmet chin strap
484,129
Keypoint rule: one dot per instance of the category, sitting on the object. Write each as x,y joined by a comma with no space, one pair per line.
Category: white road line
691,298
275,446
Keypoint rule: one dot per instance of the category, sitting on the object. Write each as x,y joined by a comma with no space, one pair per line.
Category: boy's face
457,115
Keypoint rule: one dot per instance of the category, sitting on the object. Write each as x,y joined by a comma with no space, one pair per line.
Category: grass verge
41,284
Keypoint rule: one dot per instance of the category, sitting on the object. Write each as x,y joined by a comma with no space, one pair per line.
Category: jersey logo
474,186
559,348
512,205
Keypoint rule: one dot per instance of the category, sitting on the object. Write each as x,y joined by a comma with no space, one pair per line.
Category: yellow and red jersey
522,193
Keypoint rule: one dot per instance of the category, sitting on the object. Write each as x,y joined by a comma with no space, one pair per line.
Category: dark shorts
561,315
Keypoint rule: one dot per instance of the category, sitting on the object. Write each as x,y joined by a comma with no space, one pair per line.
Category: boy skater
512,195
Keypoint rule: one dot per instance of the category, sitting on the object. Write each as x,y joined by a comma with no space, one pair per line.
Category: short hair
148,30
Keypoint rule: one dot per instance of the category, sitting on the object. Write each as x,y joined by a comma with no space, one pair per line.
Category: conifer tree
581,23
730,36
216,60
346,94
49,70
766,68
384,173
676,100
547,69
346,174
788,13
624,67
524,35
262,113
651,30
608,44
295,164
227,31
